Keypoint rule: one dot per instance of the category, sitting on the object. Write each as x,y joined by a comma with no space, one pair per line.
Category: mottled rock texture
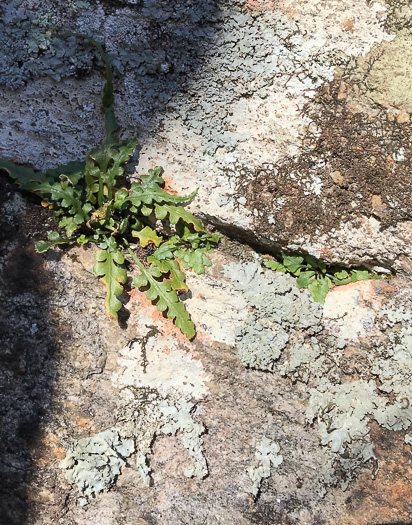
293,119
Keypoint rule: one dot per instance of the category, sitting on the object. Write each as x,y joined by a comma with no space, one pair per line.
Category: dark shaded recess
27,353
29,344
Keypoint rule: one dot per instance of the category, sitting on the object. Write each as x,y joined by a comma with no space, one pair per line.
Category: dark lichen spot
352,155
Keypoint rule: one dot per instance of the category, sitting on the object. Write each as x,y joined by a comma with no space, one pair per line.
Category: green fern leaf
177,213
149,191
292,263
359,275
190,249
89,206
276,266
26,178
166,297
146,210
92,179
122,153
167,249
67,197
193,259
341,276
141,195
177,279
112,275
69,224
202,239
305,278
54,239
109,159
147,235
319,288
73,171
153,177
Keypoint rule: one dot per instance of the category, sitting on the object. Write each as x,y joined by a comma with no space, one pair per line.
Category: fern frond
166,298
177,277
177,213
112,275
26,178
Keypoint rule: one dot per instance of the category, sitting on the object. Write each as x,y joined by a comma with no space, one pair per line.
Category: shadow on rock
27,367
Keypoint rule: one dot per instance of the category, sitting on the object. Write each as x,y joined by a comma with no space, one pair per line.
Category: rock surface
293,119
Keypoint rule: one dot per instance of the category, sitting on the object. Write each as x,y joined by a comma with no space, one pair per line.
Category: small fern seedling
90,207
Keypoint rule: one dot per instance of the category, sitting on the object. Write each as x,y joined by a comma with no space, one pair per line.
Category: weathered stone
288,117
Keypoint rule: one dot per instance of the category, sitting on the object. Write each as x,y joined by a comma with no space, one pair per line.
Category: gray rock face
291,119
194,410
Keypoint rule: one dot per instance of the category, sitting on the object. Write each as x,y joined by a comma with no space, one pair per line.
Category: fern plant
316,276
90,207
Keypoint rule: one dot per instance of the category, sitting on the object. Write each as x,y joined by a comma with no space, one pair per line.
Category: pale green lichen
267,457
140,417
143,468
279,310
361,453
176,371
28,49
343,411
267,343
162,391
305,360
94,463
80,4
284,333
40,36
342,414
393,366
178,418
149,416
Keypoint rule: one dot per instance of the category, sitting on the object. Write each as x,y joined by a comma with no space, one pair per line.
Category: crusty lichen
392,364
279,310
148,415
161,392
267,457
94,463
177,418
284,333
